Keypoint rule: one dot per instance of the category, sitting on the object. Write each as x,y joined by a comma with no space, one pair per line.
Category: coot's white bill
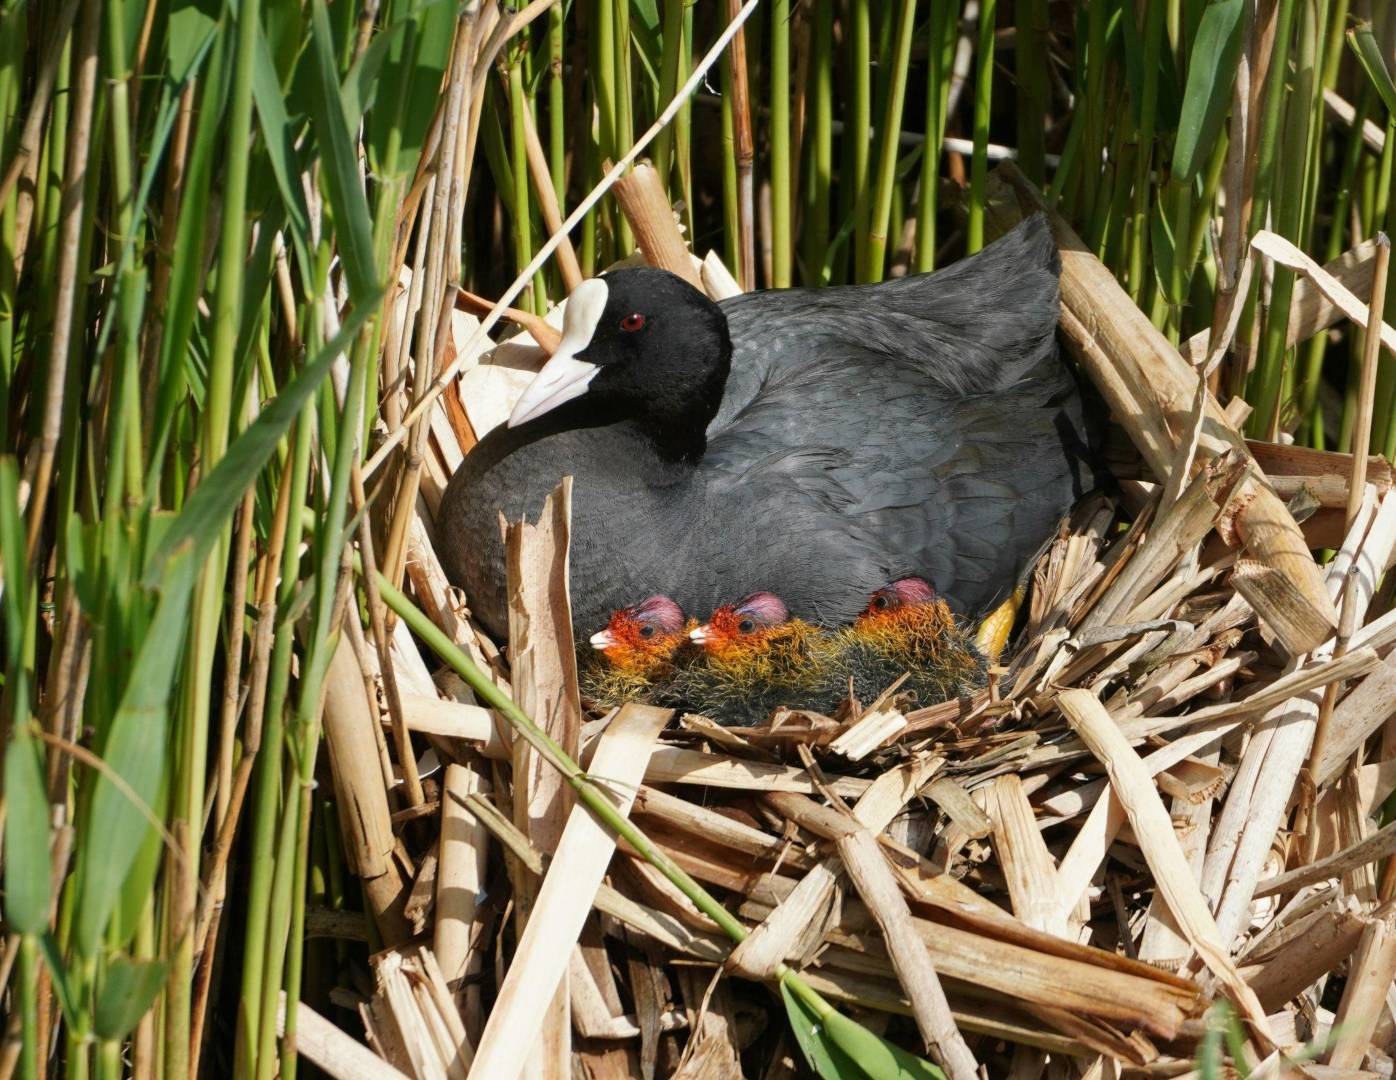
564,376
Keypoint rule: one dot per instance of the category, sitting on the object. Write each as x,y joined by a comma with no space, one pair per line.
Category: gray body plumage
921,426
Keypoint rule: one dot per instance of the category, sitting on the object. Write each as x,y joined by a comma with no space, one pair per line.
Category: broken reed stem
538,328
1367,387
645,204
1308,791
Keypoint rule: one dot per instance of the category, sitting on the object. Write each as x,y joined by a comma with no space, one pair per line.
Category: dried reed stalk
350,720
327,1046
1369,980
910,957
460,882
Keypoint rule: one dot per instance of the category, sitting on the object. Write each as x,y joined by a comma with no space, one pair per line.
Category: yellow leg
993,632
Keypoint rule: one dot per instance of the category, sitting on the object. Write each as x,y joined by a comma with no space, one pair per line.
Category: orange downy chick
636,652
755,658
906,625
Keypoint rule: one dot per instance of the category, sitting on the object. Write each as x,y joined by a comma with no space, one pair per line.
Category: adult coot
816,443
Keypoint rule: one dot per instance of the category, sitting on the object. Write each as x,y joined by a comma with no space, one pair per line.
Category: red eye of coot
632,322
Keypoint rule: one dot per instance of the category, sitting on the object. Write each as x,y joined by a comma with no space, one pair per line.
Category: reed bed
269,798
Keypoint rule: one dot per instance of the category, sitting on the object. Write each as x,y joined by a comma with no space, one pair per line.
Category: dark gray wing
922,428
978,325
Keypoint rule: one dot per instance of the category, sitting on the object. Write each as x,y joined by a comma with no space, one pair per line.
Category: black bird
817,443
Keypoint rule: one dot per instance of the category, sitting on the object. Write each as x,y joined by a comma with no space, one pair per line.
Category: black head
638,345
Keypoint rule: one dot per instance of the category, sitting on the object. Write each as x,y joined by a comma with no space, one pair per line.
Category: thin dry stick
69,247
377,610
1377,846
1367,387
232,682
525,276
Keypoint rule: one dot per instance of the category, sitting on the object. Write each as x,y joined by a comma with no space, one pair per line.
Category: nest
1159,816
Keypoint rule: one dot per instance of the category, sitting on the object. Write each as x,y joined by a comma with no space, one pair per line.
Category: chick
756,658
636,654
906,627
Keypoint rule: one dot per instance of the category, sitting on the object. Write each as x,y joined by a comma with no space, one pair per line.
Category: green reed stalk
1273,369
818,185
625,128
587,255
1342,203
983,111
731,211
206,612
1093,132
268,783
662,150
944,24
603,76
557,107
518,162
781,243
1333,46
683,124
1030,61
876,254
326,618
1271,115
858,121
1138,230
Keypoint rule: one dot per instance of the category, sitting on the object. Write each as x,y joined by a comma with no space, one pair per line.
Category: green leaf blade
1207,97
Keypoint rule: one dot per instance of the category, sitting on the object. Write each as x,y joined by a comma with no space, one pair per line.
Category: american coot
815,442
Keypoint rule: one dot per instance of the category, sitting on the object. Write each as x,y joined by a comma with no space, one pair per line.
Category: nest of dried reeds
1166,797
